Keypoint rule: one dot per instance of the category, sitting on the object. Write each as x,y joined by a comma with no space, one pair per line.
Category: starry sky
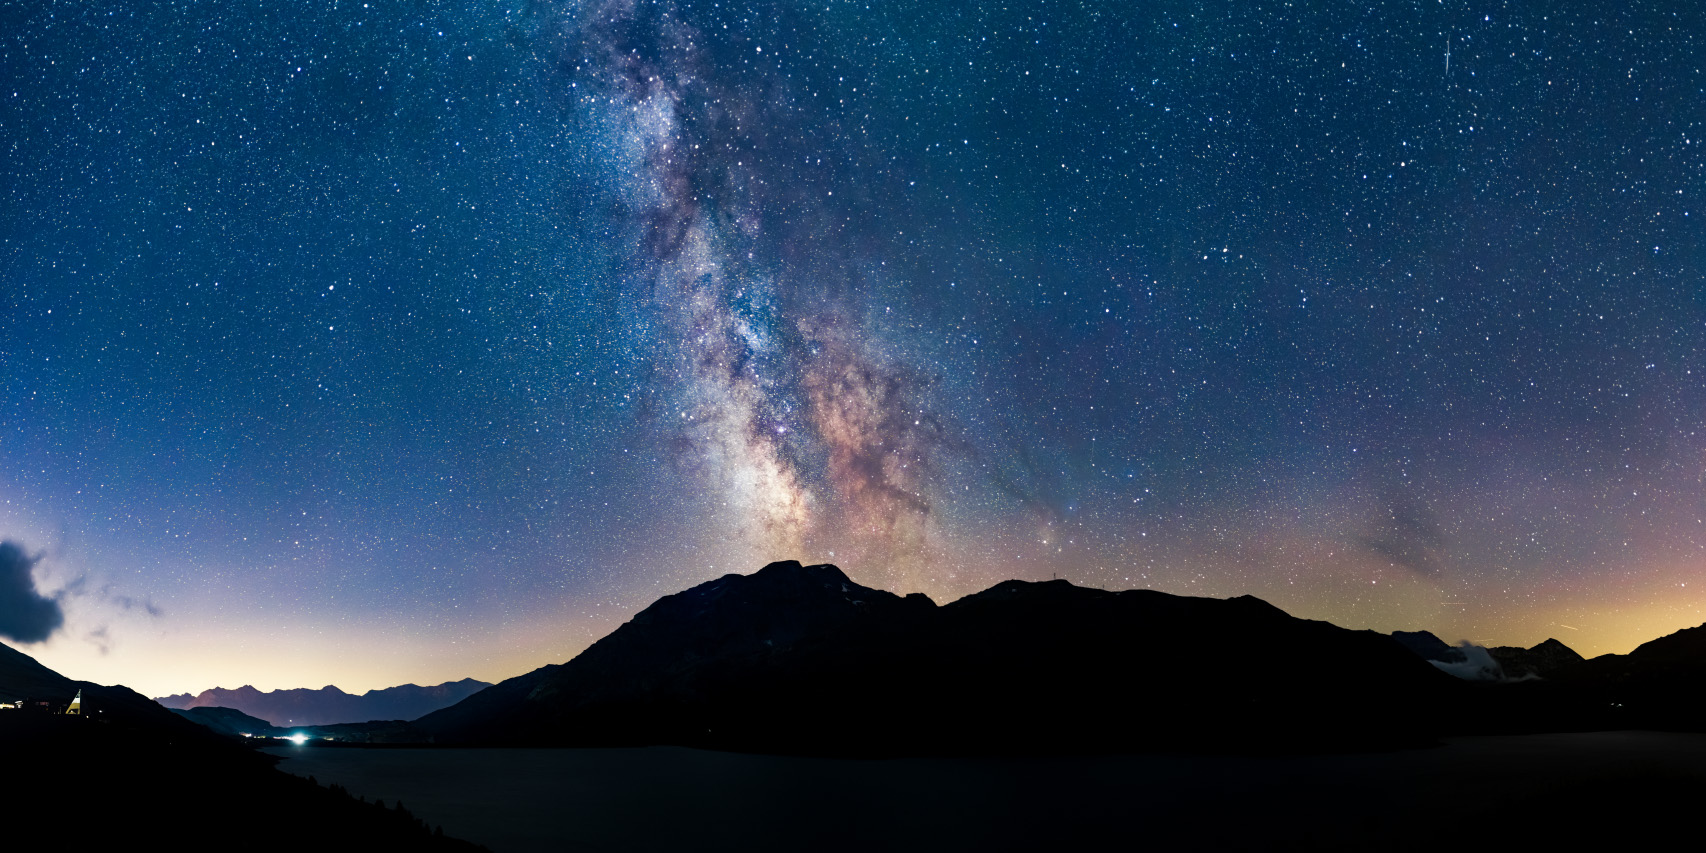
374,342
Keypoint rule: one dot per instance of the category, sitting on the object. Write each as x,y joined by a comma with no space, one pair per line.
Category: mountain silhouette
1661,684
1429,647
329,705
230,721
802,659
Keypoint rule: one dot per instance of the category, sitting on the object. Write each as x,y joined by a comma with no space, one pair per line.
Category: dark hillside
801,659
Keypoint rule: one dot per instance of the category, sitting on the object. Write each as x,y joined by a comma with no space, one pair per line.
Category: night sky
367,343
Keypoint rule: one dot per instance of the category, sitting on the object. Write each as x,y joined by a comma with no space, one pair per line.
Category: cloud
26,615
1406,534
101,638
79,588
1478,664
144,604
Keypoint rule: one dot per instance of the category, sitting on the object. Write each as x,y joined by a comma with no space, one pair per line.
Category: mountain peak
828,571
779,603
1252,603
1544,660
1552,646
1023,590
779,577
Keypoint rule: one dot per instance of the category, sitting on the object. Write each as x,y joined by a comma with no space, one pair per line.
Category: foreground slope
23,677
130,770
801,659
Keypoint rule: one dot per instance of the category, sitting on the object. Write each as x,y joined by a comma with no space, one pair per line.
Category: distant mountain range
801,659
329,705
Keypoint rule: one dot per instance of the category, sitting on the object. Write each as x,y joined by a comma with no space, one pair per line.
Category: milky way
807,435
460,332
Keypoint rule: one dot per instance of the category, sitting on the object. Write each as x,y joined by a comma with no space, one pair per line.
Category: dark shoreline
1625,788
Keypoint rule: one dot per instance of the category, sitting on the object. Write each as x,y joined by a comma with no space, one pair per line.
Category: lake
1476,793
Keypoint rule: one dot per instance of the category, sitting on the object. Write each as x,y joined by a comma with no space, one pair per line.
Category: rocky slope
1544,660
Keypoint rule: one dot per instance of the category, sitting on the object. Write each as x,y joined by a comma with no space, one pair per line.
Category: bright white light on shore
299,738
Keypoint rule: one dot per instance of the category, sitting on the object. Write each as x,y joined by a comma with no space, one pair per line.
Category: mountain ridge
797,658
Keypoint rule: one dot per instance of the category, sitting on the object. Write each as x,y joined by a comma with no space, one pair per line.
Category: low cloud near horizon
26,615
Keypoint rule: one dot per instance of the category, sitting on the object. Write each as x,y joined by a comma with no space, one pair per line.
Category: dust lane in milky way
459,332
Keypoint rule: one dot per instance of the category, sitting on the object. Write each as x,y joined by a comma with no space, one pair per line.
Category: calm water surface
1478,793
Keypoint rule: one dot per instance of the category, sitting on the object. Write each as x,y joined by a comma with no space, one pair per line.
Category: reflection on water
1611,787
